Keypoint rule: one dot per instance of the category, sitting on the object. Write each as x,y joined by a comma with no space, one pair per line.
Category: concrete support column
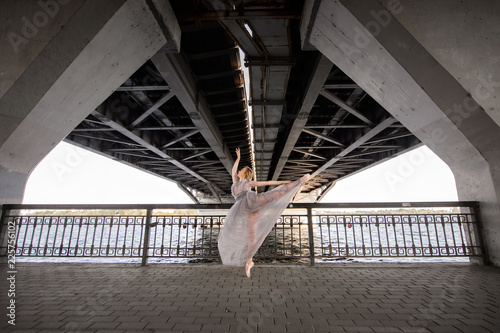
367,43
60,60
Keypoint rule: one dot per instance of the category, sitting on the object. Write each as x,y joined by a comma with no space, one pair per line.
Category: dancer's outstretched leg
266,197
253,218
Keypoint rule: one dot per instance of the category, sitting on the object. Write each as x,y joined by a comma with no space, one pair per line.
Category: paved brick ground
278,298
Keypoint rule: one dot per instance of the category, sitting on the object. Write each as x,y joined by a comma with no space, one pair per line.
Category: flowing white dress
250,220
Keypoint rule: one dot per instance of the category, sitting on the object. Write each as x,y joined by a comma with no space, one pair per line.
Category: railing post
479,236
4,234
311,235
147,231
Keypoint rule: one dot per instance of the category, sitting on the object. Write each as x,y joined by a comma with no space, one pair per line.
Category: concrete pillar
463,37
60,60
368,43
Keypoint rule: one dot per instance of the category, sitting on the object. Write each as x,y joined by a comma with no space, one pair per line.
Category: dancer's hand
238,154
287,182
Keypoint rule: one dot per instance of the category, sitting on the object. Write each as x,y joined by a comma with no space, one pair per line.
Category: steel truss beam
151,147
177,74
345,106
355,145
321,71
152,109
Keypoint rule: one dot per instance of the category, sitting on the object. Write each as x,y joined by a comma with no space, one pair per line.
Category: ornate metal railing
305,231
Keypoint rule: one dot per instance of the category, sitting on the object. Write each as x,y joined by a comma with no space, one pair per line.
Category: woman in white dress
253,215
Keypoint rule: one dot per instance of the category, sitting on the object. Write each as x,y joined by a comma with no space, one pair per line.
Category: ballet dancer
253,215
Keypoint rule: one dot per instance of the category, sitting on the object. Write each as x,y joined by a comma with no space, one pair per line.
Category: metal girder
202,91
211,54
345,106
152,109
267,102
104,139
203,152
223,91
188,193
180,138
275,61
164,128
220,74
308,153
392,137
177,74
269,59
92,130
134,137
336,126
327,167
365,138
323,137
214,192
322,69
142,88
341,86
255,14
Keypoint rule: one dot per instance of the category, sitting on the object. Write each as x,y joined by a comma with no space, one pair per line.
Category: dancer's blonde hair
248,173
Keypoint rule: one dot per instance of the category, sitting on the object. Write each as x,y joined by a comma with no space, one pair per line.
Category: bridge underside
182,115
318,86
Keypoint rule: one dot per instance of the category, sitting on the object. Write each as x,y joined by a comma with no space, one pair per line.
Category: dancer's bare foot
248,267
305,178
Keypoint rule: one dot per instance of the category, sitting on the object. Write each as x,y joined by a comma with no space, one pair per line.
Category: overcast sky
73,175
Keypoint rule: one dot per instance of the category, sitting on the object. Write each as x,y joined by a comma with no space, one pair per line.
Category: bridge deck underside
181,116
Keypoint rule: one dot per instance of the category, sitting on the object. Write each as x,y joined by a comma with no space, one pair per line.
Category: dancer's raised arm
235,166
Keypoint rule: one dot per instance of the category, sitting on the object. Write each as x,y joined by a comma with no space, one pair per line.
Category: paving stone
357,329
50,325
132,325
215,328
207,320
384,329
187,327
104,325
181,320
158,326
114,298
